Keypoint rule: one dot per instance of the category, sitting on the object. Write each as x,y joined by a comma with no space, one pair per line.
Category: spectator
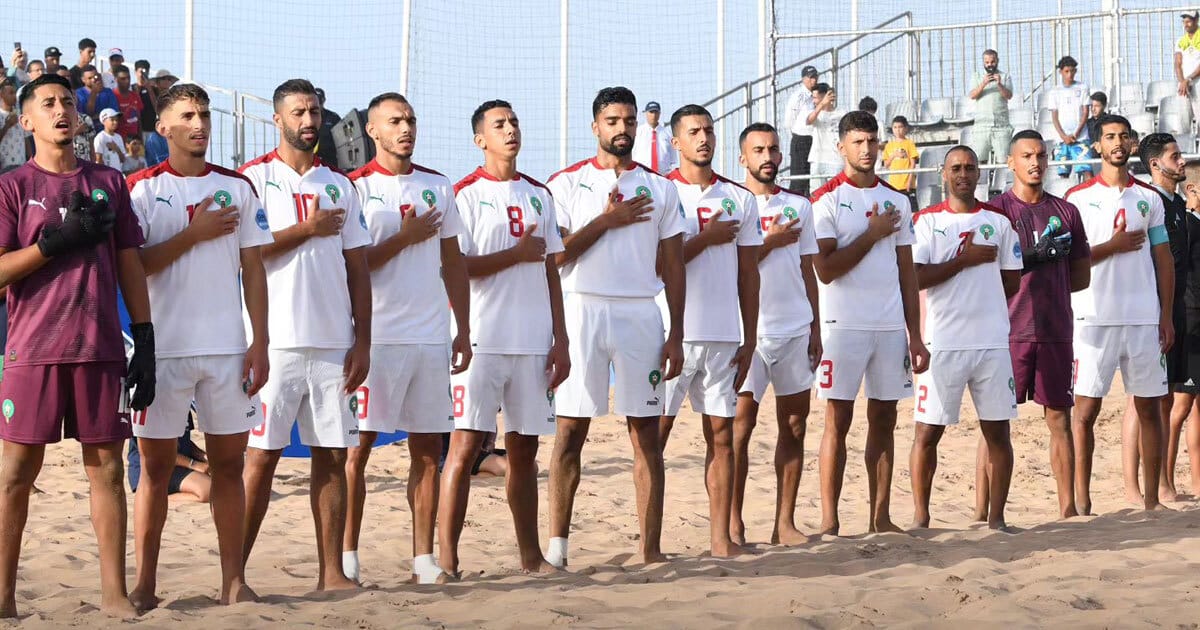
326,146
148,92
1187,61
652,142
18,70
116,58
799,111
12,137
1068,104
991,133
87,54
901,153
868,104
156,145
1096,109
189,480
85,131
135,160
129,103
108,147
53,56
824,119
35,69
93,97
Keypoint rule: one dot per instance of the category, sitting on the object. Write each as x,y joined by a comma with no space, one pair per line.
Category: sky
464,52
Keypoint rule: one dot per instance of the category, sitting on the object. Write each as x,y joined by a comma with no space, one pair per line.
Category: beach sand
1122,568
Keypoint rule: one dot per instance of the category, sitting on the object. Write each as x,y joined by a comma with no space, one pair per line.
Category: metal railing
238,134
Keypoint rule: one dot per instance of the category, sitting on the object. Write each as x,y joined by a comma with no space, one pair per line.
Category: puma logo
37,202
166,200
941,231
583,185
846,206
378,198
271,183
486,203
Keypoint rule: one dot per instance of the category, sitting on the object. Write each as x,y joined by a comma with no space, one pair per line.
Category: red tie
654,150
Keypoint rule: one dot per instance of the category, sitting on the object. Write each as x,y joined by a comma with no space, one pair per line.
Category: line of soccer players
290,293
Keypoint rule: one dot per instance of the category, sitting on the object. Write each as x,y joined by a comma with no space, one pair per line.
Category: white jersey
969,311
510,310
1069,101
1124,288
197,299
711,311
783,308
621,263
868,296
409,303
309,299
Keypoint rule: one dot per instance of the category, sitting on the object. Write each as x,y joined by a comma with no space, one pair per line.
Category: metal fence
242,128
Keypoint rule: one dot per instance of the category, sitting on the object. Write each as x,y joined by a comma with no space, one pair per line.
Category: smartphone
16,45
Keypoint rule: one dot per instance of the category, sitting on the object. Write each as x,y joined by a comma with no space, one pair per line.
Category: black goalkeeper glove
85,224
1048,249
139,379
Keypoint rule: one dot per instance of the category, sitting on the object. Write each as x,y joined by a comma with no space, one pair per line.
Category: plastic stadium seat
964,108
1021,119
1045,126
964,136
1017,101
928,196
1042,96
1156,91
931,157
1175,115
1142,123
937,109
1132,98
1187,142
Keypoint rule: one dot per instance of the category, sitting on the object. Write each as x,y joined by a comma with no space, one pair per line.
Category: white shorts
514,383
214,382
989,375
781,362
878,356
406,390
706,380
1100,350
307,386
624,333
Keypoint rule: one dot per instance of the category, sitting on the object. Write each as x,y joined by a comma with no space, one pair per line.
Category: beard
393,148
758,176
292,137
610,147
1117,161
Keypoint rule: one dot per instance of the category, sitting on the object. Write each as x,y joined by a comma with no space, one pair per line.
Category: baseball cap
163,73
107,113
809,71
115,52
53,51
1194,15
653,106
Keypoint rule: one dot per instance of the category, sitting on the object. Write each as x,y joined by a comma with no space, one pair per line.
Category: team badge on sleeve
1016,250
334,192
223,198
428,197
260,218
362,220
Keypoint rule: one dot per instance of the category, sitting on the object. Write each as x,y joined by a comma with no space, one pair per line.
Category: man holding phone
991,93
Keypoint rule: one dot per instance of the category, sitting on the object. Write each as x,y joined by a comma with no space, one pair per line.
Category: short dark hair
991,52
822,87
88,68
120,69
290,87
753,127
857,121
482,110
960,147
38,62
385,97
617,95
868,104
182,92
86,43
1153,146
1100,97
48,78
903,120
142,63
1067,62
1027,134
1111,119
688,110
7,81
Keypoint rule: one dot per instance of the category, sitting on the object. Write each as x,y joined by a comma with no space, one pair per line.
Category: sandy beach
1122,568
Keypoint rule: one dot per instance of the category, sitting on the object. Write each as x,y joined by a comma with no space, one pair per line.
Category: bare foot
655,557
1168,495
737,531
788,536
143,601
1001,526
8,610
1070,512
1158,507
920,523
830,529
880,527
338,583
238,593
543,568
119,607
1134,498
728,550
980,516
1085,509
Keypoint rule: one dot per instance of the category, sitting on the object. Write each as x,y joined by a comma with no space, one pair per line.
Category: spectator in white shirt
798,120
825,159
12,136
108,145
1068,104
1187,61
652,144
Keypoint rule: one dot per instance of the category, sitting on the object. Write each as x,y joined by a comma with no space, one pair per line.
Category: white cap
107,113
